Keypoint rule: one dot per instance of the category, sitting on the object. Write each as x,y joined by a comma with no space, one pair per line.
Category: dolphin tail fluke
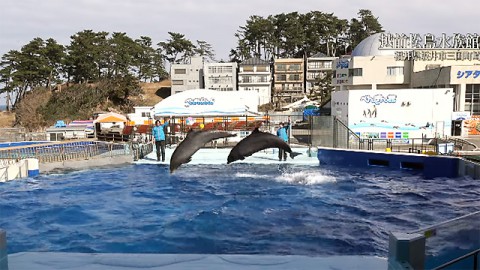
294,154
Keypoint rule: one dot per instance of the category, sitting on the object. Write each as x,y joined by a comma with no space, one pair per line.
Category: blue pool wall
429,166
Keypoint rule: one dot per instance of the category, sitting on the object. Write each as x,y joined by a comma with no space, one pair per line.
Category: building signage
198,101
378,99
468,73
429,47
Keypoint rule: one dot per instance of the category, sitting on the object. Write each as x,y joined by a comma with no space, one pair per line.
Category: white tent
300,104
201,102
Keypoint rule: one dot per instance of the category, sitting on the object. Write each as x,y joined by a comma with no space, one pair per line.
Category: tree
322,87
55,55
363,27
204,49
177,48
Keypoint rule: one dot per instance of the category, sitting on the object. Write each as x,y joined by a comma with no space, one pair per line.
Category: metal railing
70,150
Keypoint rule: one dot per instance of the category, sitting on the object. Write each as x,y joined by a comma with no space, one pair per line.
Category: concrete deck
110,261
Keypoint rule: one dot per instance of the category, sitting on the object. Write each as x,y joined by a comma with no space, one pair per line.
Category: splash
306,177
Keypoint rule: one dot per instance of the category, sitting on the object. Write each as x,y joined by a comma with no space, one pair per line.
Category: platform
111,261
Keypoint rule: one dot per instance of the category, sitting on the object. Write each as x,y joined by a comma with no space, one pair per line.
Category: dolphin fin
256,130
294,154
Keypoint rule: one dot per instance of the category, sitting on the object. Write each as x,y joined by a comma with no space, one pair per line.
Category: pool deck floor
110,261
107,261
219,156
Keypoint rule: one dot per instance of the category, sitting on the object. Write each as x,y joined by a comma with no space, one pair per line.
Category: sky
214,21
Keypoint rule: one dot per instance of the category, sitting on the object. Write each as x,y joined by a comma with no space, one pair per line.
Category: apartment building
317,67
188,75
255,74
288,80
220,76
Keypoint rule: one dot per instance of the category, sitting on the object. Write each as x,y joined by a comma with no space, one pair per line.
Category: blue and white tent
201,102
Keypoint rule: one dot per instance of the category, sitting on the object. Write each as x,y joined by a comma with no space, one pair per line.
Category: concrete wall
20,169
3,251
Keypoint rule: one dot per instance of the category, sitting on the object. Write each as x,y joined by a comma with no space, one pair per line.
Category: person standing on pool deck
159,138
282,132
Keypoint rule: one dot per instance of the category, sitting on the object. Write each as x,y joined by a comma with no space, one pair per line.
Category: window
180,71
355,72
146,114
394,71
294,77
248,68
282,77
262,68
294,67
281,67
177,82
472,99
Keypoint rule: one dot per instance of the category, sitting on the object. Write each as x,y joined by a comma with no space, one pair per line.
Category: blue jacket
158,133
282,133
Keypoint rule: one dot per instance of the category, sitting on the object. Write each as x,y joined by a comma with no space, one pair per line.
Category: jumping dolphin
190,145
255,142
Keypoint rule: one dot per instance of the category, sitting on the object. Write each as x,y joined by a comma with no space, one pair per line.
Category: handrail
475,260
445,222
349,130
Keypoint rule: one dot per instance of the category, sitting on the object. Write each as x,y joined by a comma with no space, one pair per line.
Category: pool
14,144
218,209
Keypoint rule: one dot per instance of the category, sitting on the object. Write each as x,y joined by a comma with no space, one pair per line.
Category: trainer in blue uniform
282,132
159,138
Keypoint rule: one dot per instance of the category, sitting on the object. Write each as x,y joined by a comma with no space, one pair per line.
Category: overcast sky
214,21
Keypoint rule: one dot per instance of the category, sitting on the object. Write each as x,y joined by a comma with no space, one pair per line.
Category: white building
187,75
220,76
317,67
255,75
395,113
384,61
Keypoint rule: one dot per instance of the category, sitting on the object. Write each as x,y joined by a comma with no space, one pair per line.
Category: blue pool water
219,209
13,144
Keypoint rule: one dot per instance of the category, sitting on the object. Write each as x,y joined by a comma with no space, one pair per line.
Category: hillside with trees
45,81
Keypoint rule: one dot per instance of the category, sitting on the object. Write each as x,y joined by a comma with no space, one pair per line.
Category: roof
370,47
318,55
110,118
202,102
254,61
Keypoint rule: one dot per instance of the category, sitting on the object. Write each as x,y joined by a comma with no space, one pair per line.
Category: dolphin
255,142
190,145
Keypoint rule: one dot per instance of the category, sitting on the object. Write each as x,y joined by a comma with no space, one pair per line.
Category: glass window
180,71
281,67
355,72
177,82
394,71
472,99
247,68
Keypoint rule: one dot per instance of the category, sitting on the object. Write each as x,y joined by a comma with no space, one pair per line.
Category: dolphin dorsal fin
256,130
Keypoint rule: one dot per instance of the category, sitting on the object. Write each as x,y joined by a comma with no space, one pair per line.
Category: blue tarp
60,123
310,112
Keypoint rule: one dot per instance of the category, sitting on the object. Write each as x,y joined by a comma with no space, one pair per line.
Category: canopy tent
201,102
110,118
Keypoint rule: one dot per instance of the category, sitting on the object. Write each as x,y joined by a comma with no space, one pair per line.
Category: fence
453,244
328,131
61,151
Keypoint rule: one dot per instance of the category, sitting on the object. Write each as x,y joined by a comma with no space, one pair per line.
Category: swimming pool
217,209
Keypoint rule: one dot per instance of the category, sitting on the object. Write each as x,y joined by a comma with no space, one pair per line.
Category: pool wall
11,169
430,166
3,251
